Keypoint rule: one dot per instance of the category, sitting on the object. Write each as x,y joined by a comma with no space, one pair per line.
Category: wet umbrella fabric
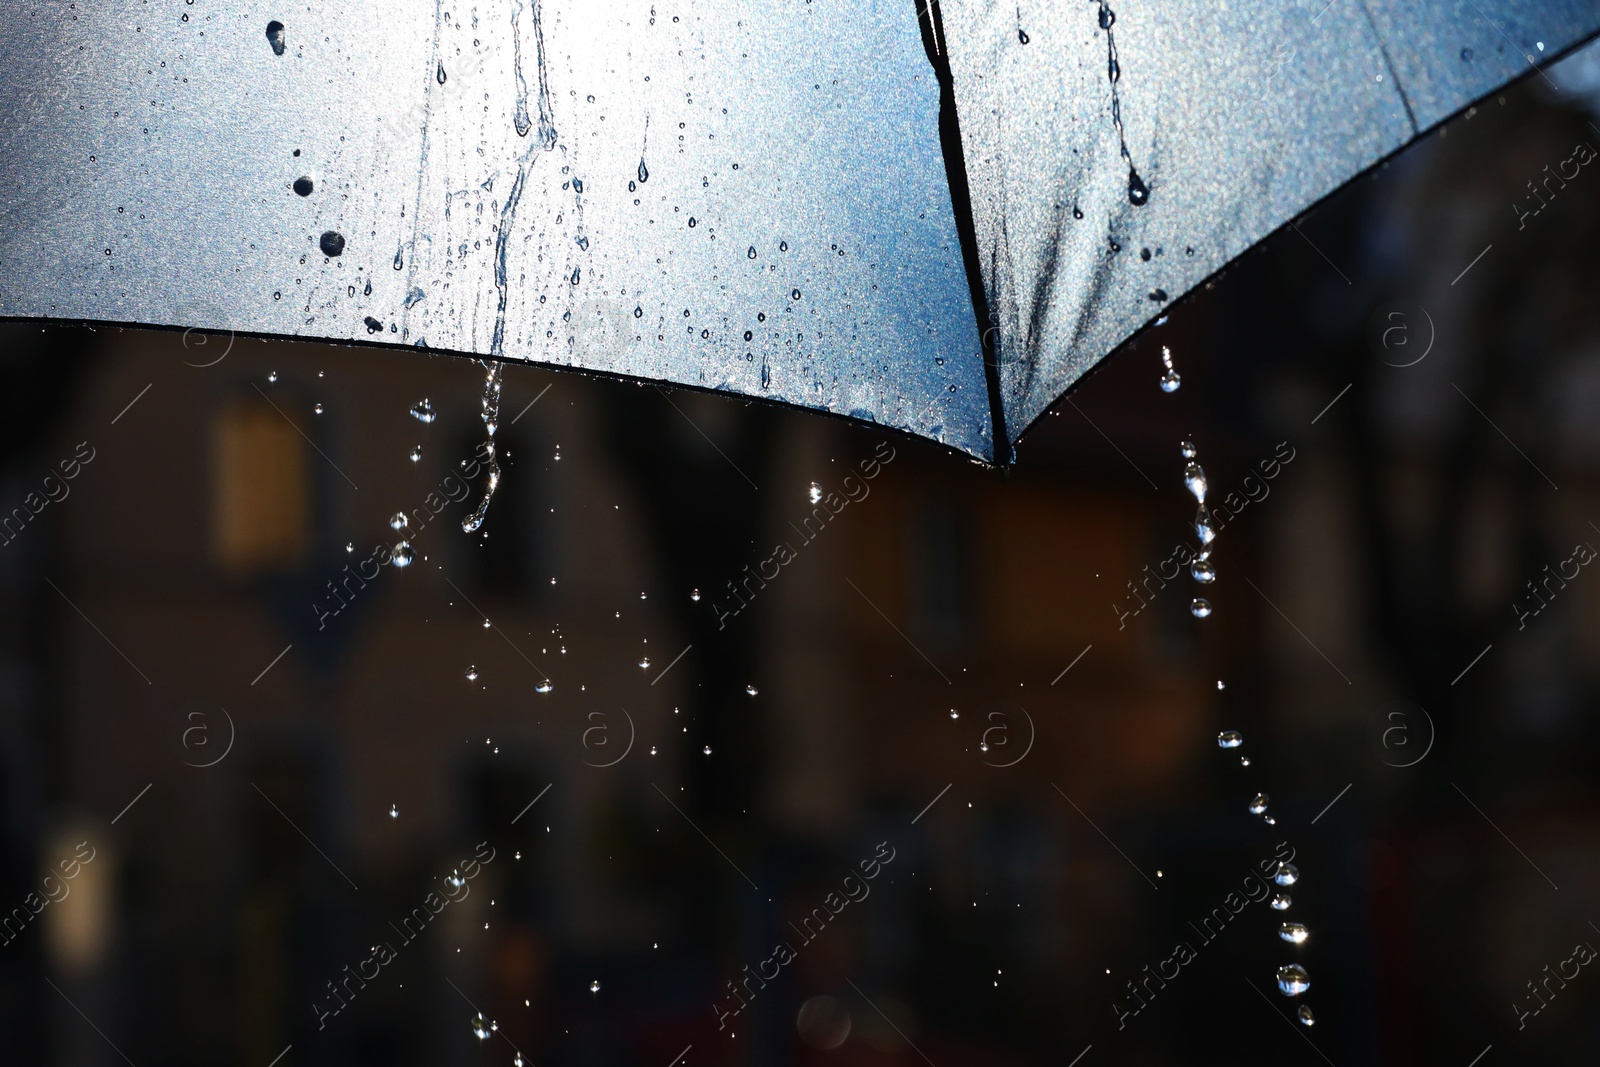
776,200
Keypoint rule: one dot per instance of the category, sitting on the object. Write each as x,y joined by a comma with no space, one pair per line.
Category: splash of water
493,378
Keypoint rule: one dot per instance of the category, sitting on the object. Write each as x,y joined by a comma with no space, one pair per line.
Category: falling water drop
423,411
1203,572
954,714
1200,607
472,673
1305,1016
1194,477
398,521
1258,804
1170,381
694,595
594,986
494,373
402,554
1293,980
1230,739
317,408
706,750
394,811
1294,933
480,1027
1281,902
814,494
1287,874
416,453
750,690
272,376
1188,449
1202,526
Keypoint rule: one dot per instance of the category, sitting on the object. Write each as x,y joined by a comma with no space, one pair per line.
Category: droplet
1194,477
272,376
1170,381
1022,36
543,687
1305,1016
1203,572
694,595
303,186
1294,933
644,172
276,38
954,714
983,746
706,750
644,662
1287,874
472,673
1188,449
480,1027
1138,191
516,1061
594,986
402,554
423,411
1258,804
398,521
652,750
1466,55
439,75
1230,739
1293,980
794,294
416,453
394,811
332,244
814,494
1200,607
1202,525
752,253
577,275
1281,902
750,690
349,546
317,408
1107,16
1244,761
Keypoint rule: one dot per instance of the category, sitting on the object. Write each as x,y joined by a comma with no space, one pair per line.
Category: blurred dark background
272,764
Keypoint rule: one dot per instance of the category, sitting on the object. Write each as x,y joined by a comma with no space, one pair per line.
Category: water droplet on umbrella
1200,607
1107,16
1258,804
752,253
576,275
480,1027
1287,874
1138,191
644,172
577,185
373,325
303,186
1293,980
794,294
1230,739
1294,933
1203,572
439,75
1281,902
276,38
332,244
1022,36
423,411
402,554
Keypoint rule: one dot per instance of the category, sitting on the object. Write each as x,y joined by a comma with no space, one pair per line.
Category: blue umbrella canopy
777,200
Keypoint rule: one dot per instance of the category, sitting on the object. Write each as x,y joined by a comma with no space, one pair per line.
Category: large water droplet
472,673
1230,739
1287,874
644,662
1195,478
1202,525
1138,191
398,521
543,687
303,186
1305,1016
1200,607
439,75
1294,933
1107,16
594,986
332,244
1022,36
814,494
416,453
423,411
644,172
402,554
394,811
276,38
1281,902
1170,381
1258,804
1293,980
480,1027
1188,449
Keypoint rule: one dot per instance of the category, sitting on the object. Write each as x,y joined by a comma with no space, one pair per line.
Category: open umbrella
773,199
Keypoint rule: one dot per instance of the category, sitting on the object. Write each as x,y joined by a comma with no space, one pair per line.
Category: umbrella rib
901,632
709,441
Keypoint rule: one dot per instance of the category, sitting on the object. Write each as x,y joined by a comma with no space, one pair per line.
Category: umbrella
778,200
